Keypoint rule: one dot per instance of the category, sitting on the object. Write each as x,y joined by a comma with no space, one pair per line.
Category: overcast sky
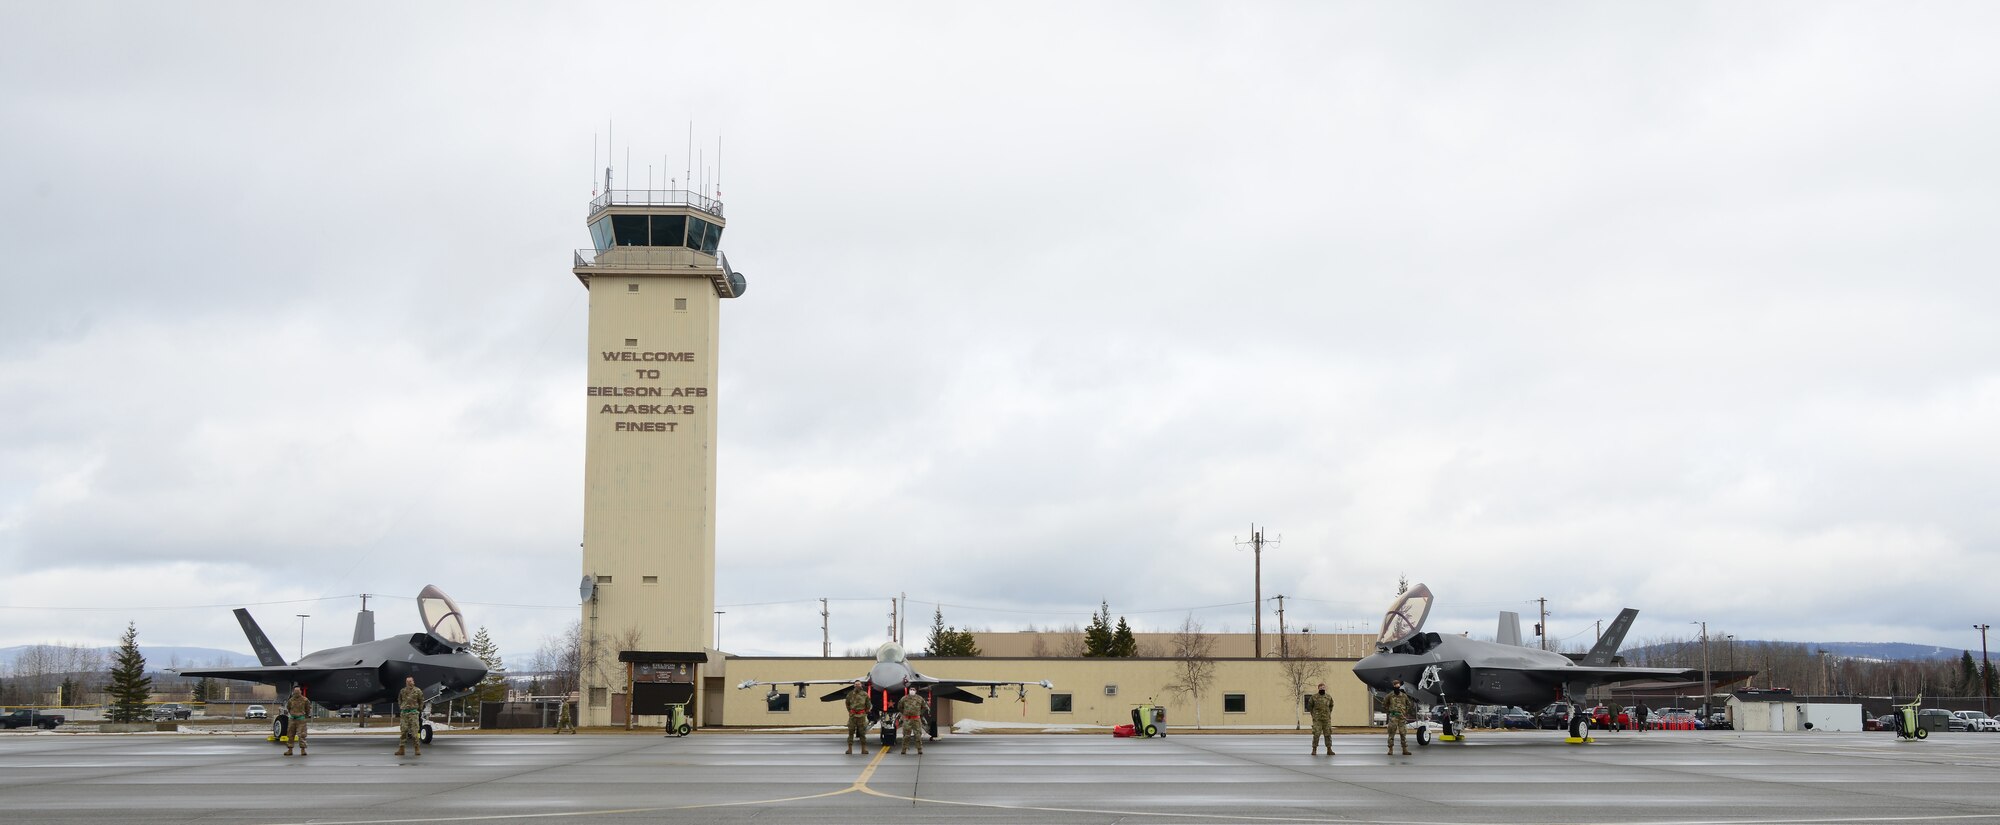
1675,306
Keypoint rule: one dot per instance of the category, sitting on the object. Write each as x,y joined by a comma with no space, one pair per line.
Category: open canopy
1406,615
441,616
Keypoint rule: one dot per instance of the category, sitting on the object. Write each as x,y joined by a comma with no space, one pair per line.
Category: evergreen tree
493,688
1968,676
1097,637
1122,643
1992,687
948,641
130,686
203,687
67,694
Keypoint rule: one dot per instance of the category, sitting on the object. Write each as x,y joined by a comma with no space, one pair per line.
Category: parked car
1978,721
26,718
171,711
1887,723
256,712
1605,717
1937,719
1553,717
1719,721
1517,718
1674,719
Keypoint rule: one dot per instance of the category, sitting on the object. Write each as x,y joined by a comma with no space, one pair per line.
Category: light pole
1705,691
718,628
302,632
1985,672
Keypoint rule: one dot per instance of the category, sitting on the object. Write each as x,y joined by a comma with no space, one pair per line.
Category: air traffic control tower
656,281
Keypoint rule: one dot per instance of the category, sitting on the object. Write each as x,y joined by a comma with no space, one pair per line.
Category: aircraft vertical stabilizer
1607,645
267,654
364,626
1510,629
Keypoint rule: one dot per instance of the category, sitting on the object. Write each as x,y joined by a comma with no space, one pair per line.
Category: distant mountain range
1883,651
157,657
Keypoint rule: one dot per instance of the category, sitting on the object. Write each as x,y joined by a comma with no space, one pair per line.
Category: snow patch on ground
975,726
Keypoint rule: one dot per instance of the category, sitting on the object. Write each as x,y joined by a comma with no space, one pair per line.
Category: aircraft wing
955,688
750,683
1583,676
267,675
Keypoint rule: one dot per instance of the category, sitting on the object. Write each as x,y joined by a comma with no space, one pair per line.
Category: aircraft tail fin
267,654
364,626
1510,629
1607,645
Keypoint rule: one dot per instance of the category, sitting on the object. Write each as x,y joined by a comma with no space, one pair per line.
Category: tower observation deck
656,276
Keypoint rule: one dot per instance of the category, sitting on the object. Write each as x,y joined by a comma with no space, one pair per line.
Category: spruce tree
1968,676
1123,644
130,686
947,641
1097,637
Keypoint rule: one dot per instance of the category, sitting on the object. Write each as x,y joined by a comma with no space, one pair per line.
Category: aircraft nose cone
885,676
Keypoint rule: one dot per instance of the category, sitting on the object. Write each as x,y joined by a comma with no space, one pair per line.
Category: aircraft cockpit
441,616
889,652
1403,624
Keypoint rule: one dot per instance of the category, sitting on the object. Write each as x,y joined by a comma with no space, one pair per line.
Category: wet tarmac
1677,778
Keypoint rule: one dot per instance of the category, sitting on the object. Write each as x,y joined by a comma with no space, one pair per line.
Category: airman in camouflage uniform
911,709
857,717
296,710
564,721
410,706
1322,711
1397,706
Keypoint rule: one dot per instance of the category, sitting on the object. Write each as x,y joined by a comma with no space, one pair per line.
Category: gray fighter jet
889,679
370,671
1454,670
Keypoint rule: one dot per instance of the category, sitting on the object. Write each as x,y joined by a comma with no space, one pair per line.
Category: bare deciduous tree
1301,670
1194,664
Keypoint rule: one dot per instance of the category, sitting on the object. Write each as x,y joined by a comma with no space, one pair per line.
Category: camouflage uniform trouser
1323,730
413,729
913,731
295,730
857,729
1397,729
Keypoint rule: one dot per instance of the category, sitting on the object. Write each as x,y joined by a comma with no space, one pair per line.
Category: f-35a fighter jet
1455,670
370,671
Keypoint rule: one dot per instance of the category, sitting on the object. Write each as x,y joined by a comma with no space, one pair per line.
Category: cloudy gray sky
1676,306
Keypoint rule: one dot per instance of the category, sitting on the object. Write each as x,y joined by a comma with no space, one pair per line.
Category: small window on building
1111,690
603,579
649,579
631,342
681,304
1232,703
778,702
599,697
1059,703
631,287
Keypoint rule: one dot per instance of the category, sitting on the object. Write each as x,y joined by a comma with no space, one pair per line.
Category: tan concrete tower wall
649,466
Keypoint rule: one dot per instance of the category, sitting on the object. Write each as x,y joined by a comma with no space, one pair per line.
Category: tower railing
656,197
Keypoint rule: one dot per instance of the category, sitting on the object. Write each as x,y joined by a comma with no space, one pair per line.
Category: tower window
668,230
629,230
649,579
631,287
631,342
603,579
681,304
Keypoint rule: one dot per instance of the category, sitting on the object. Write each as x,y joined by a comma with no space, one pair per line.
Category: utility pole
1542,626
1600,630
892,620
1282,652
902,615
1257,543
825,639
1985,672
302,632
